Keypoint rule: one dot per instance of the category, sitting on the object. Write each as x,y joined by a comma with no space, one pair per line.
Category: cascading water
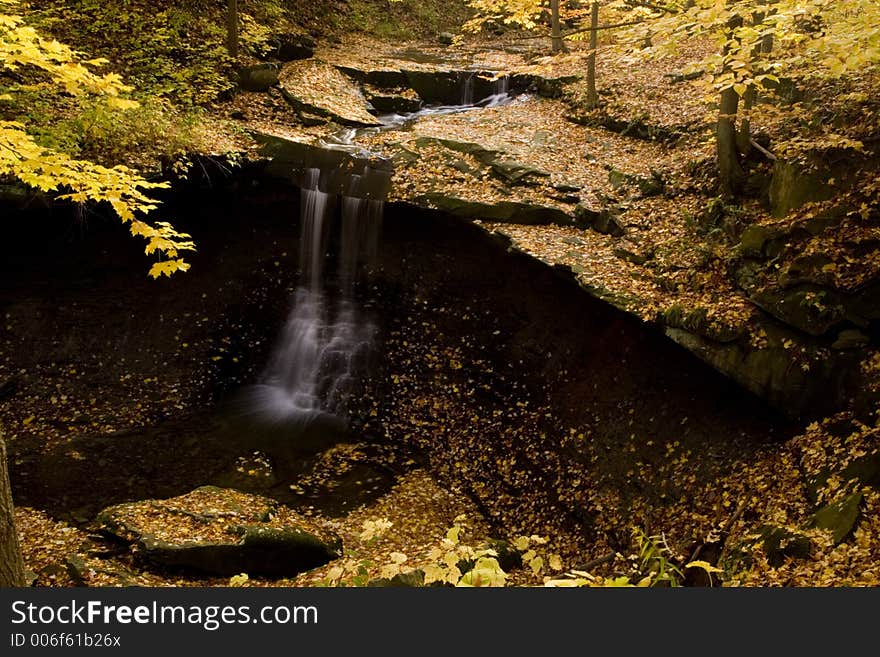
467,90
500,96
325,342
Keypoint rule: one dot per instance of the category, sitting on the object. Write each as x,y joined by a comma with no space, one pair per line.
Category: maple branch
581,31
649,5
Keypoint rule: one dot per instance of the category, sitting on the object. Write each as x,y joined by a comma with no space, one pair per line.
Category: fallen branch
761,149
595,562
722,536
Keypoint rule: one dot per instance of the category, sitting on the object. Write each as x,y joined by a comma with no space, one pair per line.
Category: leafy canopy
49,170
818,38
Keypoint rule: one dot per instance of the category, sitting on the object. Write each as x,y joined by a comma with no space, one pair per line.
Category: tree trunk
556,27
592,96
730,171
232,29
11,564
744,136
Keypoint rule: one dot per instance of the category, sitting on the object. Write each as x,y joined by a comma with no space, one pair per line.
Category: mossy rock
647,186
82,569
221,532
793,185
812,310
773,372
755,240
515,173
839,517
850,339
410,579
258,78
585,216
607,223
780,543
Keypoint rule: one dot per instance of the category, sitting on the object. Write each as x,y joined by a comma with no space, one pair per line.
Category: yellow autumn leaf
704,565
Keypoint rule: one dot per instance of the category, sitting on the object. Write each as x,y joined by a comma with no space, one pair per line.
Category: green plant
654,560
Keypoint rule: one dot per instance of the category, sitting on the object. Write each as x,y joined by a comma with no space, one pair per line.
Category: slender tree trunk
556,27
232,29
11,564
744,136
730,171
592,96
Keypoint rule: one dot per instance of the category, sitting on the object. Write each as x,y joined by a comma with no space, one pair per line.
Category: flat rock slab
512,212
223,532
317,88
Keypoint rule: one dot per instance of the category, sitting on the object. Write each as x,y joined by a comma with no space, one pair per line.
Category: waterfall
325,342
500,95
467,90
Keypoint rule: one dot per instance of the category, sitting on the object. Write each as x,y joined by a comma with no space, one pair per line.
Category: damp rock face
221,531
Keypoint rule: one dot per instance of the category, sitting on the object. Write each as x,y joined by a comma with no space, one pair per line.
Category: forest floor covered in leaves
528,418
505,395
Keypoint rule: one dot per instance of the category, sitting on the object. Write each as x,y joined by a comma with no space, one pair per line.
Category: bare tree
11,563
556,27
592,96
232,29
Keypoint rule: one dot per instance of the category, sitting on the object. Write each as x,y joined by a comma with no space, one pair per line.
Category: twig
761,149
725,530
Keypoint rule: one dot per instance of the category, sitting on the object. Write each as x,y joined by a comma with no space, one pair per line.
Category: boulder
839,517
258,77
850,339
775,373
446,38
780,543
792,186
291,47
812,310
755,241
221,532
412,578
